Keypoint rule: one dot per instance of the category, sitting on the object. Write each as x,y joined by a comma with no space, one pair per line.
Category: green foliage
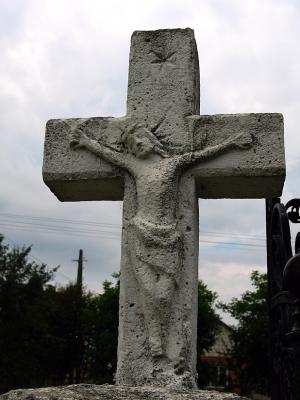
103,363
23,318
250,337
42,328
54,336
207,329
208,319
67,329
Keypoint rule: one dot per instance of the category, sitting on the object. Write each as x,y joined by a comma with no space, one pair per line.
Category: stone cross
159,159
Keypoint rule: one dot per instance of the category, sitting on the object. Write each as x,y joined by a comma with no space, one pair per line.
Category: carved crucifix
159,158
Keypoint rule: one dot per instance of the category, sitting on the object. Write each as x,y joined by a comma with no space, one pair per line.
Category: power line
253,237
35,258
55,227
7,218
61,231
109,235
91,232
71,221
44,225
233,243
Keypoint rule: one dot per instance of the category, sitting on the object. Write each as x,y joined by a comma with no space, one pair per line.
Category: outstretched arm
240,141
79,140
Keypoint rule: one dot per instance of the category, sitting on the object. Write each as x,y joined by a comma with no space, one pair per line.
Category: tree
23,318
207,329
71,334
208,319
45,331
50,335
251,336
105,332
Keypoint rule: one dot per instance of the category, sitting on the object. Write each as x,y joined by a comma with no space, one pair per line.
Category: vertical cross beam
163,89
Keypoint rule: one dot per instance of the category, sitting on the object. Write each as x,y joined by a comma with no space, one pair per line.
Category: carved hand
79,139
243,141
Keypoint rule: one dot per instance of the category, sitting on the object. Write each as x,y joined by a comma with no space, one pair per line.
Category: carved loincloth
159,246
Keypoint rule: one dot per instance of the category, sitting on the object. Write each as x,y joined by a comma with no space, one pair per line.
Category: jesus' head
141,142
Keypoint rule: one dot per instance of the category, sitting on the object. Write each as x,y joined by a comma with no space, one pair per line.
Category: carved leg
136,365
156,291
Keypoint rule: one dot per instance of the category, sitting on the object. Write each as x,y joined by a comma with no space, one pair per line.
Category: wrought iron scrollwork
284,298
293,214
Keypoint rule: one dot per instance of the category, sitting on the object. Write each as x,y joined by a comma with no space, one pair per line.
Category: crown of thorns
133,129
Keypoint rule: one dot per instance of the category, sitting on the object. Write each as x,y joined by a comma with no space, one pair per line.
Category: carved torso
157,188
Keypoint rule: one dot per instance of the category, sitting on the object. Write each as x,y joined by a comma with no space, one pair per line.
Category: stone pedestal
109,392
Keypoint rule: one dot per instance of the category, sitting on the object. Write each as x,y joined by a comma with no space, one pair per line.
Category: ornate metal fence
284,298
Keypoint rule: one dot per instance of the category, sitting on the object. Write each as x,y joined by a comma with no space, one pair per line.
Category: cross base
104,392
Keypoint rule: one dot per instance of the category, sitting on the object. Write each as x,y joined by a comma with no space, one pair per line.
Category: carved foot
156,349
179,366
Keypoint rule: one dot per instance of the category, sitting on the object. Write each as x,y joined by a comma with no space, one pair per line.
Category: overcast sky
63,59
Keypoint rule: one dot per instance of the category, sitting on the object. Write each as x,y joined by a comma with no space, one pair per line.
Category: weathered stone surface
84,176
163,89
109,392
160,157
257,172
159,304
81,175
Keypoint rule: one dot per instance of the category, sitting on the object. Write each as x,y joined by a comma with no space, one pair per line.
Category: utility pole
80,269
79,349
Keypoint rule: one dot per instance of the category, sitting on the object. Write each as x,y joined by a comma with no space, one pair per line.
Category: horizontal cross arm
255,172
81,175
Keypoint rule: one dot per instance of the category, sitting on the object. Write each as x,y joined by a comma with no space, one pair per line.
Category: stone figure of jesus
156,242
